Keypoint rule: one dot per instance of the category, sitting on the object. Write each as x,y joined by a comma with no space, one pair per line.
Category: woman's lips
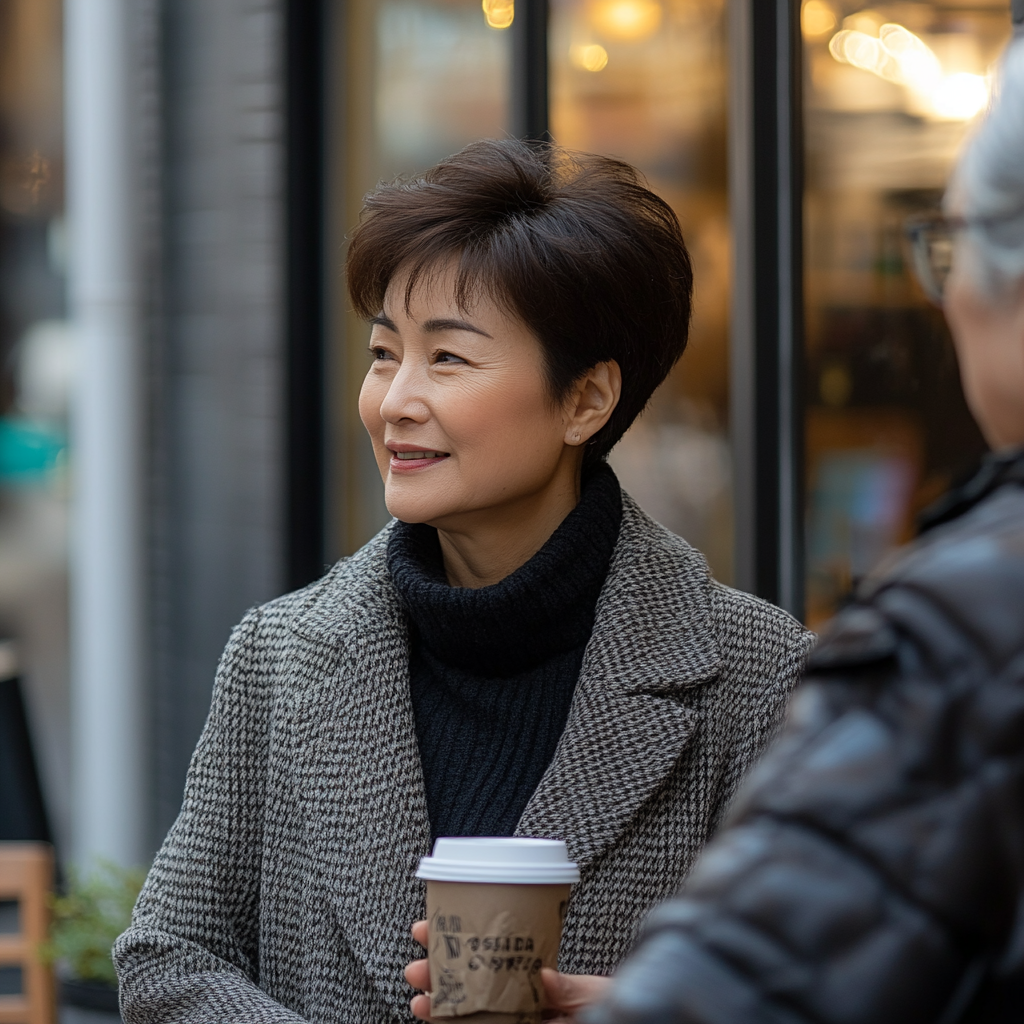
405,461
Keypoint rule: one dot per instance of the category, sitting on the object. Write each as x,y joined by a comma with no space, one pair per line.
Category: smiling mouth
404,456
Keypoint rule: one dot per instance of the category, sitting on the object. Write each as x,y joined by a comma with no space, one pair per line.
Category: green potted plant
94,909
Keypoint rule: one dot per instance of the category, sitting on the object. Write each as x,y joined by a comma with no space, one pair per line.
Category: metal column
766,188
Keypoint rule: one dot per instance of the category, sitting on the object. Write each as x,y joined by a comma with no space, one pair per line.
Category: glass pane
35,373
440,81
891,92
417,80
645,80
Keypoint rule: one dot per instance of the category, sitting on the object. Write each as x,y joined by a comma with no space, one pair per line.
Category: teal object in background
29,451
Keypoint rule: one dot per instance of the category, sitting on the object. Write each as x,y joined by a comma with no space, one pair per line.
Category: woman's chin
416,504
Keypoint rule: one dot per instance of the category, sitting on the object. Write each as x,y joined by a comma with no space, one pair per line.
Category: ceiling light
499,13
591,57
628,20
817,18
960,97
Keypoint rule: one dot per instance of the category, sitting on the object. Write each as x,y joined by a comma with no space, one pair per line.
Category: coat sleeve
191,953
870,869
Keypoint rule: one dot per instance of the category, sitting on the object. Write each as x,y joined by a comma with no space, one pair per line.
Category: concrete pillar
107,615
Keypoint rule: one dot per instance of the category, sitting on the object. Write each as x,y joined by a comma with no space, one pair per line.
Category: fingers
418,974
568,993
420,1007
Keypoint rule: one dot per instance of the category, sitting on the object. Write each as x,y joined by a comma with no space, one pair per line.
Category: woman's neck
483,548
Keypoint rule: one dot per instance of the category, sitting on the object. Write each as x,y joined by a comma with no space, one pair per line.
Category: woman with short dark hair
522,651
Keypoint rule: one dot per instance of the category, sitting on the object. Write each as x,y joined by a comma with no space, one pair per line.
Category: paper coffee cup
495,909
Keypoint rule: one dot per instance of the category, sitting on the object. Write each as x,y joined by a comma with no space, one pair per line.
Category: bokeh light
817,18
899,56
626,20
499,13
960,97
589,57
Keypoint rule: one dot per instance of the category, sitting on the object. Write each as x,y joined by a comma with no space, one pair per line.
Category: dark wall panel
219,366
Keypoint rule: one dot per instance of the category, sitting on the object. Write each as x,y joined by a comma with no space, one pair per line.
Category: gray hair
989,182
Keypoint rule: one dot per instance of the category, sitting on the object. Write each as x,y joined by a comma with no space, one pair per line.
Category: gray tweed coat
285,889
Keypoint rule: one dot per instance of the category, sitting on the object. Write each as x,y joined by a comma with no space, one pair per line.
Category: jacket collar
997,469
658,589
653,637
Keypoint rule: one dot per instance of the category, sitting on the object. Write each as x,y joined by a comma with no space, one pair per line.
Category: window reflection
645,80
441,80
35,376
416,81
891,92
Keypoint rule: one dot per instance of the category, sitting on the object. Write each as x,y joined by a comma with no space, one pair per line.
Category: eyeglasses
931,241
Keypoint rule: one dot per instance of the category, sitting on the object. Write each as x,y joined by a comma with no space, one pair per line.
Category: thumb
568,993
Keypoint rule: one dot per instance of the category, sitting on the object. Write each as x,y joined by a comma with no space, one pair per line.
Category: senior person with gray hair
873,867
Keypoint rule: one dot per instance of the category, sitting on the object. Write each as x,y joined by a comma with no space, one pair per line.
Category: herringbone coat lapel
629,721
627,727
369,811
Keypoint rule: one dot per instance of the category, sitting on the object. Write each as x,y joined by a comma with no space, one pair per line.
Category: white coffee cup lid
512,861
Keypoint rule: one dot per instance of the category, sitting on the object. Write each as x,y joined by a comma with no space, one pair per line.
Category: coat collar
653,637
996,470
655,579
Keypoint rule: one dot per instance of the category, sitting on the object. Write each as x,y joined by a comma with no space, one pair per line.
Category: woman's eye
380,354
447,357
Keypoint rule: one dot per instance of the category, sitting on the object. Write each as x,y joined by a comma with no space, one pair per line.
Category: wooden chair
26,877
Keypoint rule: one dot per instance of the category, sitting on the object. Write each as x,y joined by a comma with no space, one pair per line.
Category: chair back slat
26,877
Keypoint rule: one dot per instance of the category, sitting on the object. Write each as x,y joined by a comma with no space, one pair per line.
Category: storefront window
646,81
891,93
35,368
417,81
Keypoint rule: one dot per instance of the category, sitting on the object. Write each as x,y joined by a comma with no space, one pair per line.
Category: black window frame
305,206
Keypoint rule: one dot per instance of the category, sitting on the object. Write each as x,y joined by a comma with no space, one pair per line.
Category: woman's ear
592,401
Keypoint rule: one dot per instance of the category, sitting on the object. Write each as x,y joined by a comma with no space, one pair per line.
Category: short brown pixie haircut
573,245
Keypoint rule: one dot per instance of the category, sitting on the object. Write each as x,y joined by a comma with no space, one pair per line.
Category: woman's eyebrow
453,325
383,321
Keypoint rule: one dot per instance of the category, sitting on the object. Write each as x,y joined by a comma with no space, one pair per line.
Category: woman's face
989,336
458,408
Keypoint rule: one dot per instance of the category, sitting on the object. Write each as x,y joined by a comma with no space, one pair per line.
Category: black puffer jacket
872,871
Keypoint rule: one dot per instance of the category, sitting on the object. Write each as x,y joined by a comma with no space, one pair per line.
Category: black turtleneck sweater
493,670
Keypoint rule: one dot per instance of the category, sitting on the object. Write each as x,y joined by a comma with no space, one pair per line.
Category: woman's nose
405,399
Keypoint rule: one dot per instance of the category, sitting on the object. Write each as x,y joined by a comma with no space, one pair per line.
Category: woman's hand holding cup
566,993
418,975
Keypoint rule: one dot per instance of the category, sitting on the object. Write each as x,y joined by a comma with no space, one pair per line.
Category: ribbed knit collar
544,608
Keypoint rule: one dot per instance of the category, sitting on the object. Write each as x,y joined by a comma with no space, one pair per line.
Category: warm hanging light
626,20
960,97
590,57
865,21
865,52
919,67
899,56
499,13
817,18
